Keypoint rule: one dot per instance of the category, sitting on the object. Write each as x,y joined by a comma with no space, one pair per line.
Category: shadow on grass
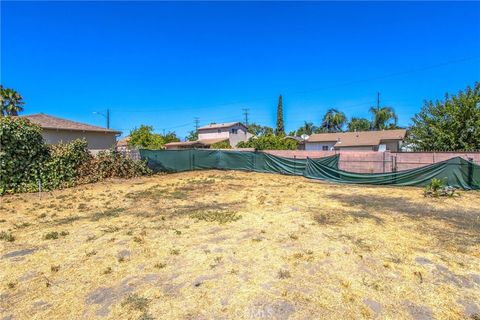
465,224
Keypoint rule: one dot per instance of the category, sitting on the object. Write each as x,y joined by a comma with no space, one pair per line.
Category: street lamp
107,116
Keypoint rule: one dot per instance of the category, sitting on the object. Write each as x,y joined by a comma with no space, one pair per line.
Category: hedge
25,160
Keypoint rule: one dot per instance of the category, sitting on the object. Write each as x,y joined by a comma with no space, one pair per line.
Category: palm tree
383,118
333,121
308,128
12,102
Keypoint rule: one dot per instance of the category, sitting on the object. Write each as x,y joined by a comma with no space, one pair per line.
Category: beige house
233,132
384,140
57,130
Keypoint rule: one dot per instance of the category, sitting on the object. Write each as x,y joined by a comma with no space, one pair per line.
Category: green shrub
25,160
269,142
221,145
22,152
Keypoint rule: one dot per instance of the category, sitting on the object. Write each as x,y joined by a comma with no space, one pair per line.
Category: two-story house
233,132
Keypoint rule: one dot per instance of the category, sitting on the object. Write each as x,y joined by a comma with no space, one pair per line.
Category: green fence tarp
456,172
194,159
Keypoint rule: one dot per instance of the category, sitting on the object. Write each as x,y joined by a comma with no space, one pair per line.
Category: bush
25,160
269,142
22,151
438,188
221,145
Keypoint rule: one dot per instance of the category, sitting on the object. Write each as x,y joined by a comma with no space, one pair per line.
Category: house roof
205,142
46,121
359,138
221,125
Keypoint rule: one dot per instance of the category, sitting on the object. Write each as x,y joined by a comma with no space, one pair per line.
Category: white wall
234,138
318,146
95,140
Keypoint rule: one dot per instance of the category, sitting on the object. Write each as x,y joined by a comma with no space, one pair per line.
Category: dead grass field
234,245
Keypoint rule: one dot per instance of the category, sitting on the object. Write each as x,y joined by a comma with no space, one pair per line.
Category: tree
333,121
280,129
452,124
384,118
258,130
359,124
308,128
192,136
269,142
11,102
144,137
221,145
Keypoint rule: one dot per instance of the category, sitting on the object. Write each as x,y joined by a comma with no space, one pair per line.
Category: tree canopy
11,102
333,121
280,129
359,124
384,118
269,142
452,124
308,128
259,130
144,137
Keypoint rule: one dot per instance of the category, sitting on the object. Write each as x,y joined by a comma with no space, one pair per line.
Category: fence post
383,162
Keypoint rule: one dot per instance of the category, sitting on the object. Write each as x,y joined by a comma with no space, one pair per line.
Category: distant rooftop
50,122
220,125
359,138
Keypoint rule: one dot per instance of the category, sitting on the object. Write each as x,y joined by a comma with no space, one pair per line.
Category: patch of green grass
109,213
136,302
5,236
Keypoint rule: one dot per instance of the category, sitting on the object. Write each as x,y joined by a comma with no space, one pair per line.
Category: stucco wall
95,140
318,146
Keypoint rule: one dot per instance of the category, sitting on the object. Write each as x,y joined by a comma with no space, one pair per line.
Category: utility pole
378,101
197,123
108,118
245,113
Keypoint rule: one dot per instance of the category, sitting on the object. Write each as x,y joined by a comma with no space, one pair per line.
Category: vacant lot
233,245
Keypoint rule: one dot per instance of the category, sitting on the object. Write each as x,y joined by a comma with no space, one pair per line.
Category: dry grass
235,245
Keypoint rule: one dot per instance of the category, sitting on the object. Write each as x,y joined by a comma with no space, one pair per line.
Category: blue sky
163,64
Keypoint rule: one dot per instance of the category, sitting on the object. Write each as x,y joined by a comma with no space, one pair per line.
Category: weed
43,215
160,265
108,270
109,213
11,285
110,229
146,316
91,253
7,236
138,239
21,225
175,252
55,268
82,206
55,235
283,274
66,220
216,216
136,302
293,236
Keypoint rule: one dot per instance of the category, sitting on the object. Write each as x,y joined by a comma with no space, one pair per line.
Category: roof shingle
50,122
360,138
